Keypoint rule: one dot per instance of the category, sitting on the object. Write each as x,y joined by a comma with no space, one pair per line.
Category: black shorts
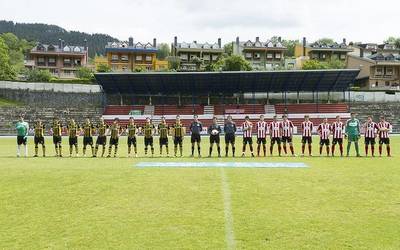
248,140
38,140
21,140
369,141
385,141
306,139
287,139
148,141
57,139
261,140
214,139
132,141
276,140
337,141
101,140
230,138
324,142
195,138
73,141
163,141
178,140
114,141
87,140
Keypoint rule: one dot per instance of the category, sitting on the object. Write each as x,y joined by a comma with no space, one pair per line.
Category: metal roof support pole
150,101
285,99
344,96
329,97
253,98
179,100
208,99
313,97
298,97
120,99
317,102
267,97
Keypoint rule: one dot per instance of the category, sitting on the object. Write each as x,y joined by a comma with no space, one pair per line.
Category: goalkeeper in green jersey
353,133
22,128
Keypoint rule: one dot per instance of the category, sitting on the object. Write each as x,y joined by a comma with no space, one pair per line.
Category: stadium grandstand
209,94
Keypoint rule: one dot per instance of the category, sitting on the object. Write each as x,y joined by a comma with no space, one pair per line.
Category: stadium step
209,110
148,110
269,109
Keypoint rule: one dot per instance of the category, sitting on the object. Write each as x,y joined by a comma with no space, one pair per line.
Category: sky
207,20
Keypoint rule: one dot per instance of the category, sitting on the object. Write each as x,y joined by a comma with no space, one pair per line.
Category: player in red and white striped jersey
337,129
247,128
324,131
275,129
262,130
306,128
384,129
370,130
287,134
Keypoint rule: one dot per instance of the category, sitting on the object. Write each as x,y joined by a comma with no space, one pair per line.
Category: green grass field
99,203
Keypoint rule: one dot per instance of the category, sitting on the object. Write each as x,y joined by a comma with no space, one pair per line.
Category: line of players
279,132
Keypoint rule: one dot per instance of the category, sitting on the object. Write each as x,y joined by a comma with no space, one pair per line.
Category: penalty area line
226,193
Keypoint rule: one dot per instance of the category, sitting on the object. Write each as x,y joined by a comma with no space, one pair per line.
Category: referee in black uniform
229,130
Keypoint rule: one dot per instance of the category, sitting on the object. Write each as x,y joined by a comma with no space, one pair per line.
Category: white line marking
222,164
229,233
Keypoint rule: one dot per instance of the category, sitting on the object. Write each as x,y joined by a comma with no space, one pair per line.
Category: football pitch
126,203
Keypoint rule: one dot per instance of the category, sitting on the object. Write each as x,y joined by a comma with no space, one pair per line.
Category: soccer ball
214,132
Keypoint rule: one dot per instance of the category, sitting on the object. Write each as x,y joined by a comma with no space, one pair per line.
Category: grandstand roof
226,82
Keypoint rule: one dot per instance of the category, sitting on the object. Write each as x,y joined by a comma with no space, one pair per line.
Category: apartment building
267,55
130,55
62,60
322,51
194,55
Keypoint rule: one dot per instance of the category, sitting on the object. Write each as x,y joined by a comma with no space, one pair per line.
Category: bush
103,68
38,75
85,73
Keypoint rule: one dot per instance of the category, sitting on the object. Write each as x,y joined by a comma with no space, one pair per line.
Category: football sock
198,149
380,149
320,150
233,150
271,148
226,150
291,149
258,149
348,148
70,150
341,149
333,149
192,149
219,150
26,150
36,149
388,150
309,149
303,148
166,149
284,148
327,150
44,149
357,149
210,151
372,150
279,149
366,149
265,150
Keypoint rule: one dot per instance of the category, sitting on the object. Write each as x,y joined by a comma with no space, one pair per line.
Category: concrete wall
56,87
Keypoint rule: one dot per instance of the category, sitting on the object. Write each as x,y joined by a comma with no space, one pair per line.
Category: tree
139,69
198,62
174,62
38,75
290,45
236,63
85,73
163,51
326,40
228,49
16,50
103,68
313,64
393,40
6,70
336,64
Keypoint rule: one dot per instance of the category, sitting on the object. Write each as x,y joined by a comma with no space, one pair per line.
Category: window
52,60
387,83
248,55
51,48
206,57
214,57
67,49
77,62
270,55
184,56
139,58
114,57
206,46
184,45
323,56
41,59
124,45
77,49
149,58
278,55
389,71
124,58
257,55
67,61
257,44
378,71
139,46
343,56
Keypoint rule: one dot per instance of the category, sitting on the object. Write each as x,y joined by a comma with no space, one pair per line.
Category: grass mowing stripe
229,233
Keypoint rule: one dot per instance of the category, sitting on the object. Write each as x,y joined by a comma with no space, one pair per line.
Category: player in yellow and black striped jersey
115,132
131,130
57,135
39,129
88,129
102,128
73,132
163,130
179,133
148,131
